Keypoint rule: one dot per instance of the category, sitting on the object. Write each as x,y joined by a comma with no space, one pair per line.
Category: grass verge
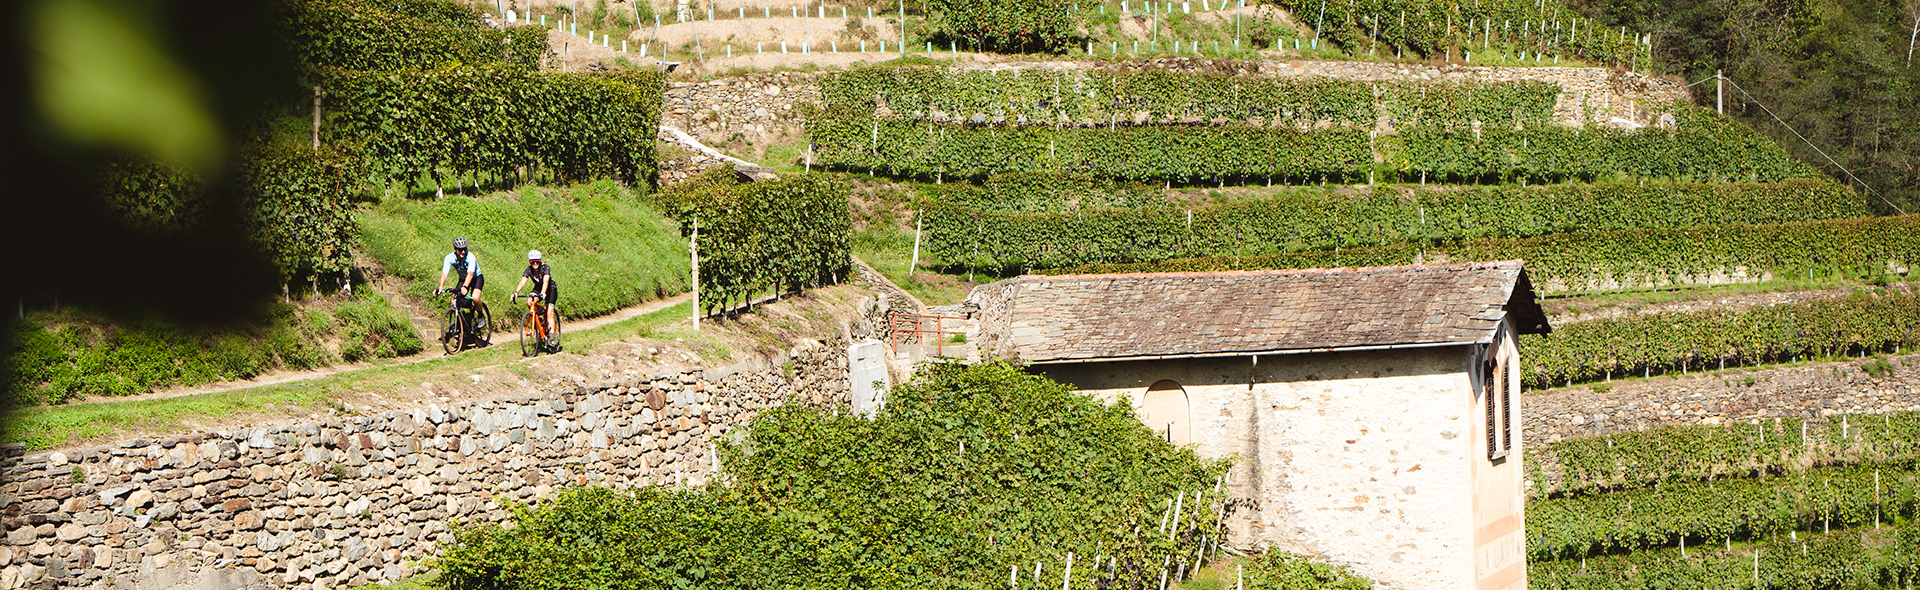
608,249
54,426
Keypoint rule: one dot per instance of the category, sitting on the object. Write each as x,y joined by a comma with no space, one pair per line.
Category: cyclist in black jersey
543,283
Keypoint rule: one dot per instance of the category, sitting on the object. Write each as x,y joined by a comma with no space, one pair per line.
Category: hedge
783,235
500,119
1577,262
1677,341
1038,220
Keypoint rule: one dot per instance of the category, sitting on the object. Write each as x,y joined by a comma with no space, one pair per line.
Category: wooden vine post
693,252
316,118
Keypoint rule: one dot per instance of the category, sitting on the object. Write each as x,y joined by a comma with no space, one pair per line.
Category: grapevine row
1712,150
1677,341
1704,511
499,120
1577,262
1676,454
1430,28
783,235
1050,221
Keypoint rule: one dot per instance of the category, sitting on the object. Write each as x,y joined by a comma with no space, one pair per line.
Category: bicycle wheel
529,338
553,334
452,334
482,324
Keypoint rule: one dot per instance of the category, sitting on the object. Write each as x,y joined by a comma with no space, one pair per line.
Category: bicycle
457,331
534,329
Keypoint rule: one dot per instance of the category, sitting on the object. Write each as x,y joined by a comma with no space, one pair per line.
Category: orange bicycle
535,335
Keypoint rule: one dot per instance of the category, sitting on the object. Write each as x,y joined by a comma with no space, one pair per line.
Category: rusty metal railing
911,329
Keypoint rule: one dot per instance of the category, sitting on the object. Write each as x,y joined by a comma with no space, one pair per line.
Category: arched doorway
1165,410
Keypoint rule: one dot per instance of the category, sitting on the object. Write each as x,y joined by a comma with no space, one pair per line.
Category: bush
299,209
608,250
1005,26
828,500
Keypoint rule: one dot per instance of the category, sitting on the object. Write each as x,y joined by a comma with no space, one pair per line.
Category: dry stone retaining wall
766,104
1813,391
361,499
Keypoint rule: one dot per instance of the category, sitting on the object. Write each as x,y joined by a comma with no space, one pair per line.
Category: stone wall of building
361,499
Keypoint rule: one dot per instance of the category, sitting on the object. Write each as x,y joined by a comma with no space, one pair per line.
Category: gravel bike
535,335
464,326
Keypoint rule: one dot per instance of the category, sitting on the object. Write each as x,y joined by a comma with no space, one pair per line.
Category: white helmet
533,255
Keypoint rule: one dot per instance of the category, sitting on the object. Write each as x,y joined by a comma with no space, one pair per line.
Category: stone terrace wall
754,104
765,103
1812,391
356,500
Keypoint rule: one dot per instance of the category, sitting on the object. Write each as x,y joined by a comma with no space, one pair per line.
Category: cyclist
543,284
465,268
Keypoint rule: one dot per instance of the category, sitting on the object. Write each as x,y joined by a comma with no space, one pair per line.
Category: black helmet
459,243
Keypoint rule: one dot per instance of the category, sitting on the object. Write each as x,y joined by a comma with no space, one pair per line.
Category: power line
1816,149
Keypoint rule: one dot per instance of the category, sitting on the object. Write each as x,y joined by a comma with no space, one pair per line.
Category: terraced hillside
1112,168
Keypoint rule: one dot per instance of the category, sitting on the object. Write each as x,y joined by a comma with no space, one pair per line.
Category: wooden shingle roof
1069,318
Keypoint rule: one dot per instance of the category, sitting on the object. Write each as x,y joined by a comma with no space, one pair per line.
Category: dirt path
433,351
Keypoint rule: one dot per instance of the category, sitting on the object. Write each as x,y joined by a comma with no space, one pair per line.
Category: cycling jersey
453,265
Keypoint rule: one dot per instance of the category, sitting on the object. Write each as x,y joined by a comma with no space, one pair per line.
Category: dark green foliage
334,36
1004,26
1432,28
819,500
1038,220
499,119
298,206
782,235
153,196
1838,71
1669,341
1578,262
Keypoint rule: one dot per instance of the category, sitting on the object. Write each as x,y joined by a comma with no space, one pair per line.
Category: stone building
1373,410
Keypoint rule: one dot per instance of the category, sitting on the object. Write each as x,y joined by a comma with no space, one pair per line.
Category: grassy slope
50,426
607,248
66,354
